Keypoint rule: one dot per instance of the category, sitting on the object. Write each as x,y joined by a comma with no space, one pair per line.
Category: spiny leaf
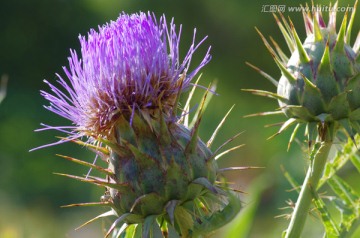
343,156
344,191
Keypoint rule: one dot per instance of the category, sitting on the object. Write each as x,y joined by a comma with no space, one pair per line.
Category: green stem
311,181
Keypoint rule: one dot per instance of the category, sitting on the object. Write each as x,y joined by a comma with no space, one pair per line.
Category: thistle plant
123,97
320,88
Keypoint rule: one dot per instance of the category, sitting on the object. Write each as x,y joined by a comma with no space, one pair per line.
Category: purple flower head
128,64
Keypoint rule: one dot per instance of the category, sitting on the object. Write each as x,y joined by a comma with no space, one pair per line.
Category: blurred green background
35,38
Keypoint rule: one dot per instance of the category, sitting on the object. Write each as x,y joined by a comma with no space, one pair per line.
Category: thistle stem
311,181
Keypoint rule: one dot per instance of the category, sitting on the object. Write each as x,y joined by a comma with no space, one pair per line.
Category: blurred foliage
35,40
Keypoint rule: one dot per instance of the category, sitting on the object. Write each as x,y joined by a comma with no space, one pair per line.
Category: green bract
320,82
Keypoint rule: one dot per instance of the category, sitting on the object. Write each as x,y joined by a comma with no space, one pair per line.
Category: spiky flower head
320,82
123,95
128,64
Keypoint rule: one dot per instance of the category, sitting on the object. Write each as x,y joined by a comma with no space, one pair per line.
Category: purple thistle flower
129,64
122,96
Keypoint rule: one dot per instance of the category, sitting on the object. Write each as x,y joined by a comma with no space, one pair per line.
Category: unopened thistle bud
123,95
320,82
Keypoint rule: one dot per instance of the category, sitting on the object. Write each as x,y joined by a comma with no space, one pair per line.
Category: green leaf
184,220
291,180
219,218
332,231
344,191
355,159
130,231
342,156
147,231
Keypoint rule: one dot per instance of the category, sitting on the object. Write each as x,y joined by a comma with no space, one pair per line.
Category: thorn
267,94
281,54
265,75
351,22
285,72
263,114
332,17
317,31
266,43
225,143
285,31
325,63
238,168
340,41
227,151
185,119
208,144
191,146
304,58
181,81
292,137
